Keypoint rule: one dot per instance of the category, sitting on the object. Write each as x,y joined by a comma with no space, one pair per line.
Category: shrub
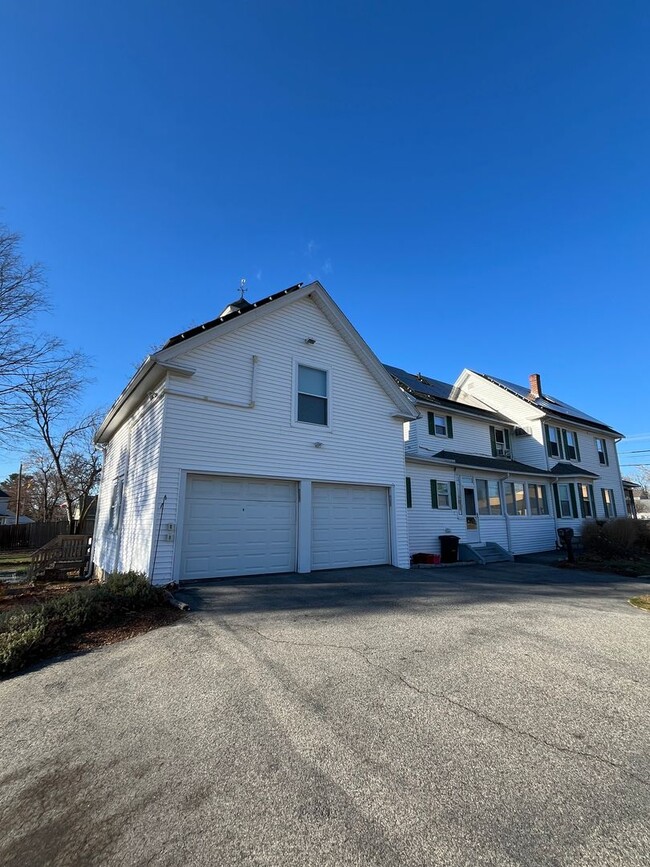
32,633
621,537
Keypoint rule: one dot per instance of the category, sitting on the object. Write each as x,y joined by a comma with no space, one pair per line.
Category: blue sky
470,181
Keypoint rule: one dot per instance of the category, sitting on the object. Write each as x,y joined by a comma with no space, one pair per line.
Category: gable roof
548,404
443,394
4,494
155,367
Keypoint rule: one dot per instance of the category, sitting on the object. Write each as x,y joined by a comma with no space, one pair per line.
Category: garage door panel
238,527
349,526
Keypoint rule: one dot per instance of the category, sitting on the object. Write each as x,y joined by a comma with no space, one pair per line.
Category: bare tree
21,298
51,397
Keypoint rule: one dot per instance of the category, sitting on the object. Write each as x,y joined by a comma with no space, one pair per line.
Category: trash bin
449,548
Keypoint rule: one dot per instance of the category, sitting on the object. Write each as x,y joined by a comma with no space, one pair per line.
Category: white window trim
507,452
307,425
530,513
497,515
505,500
435,433
570,516
448,485
558,433
115,517
605,451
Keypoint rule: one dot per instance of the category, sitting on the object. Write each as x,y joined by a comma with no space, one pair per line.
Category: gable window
608,503
553,441
565,501
312,395
601,448
115,509
443,495
571,448
515,498
586,497
440,425
500,442
489,497
537,499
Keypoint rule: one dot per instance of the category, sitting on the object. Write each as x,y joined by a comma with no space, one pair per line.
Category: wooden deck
60,556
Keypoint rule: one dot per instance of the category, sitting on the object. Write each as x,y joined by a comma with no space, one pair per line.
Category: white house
267,440
499,464
7,516
271,439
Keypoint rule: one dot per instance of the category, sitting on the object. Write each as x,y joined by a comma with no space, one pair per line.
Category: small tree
51,399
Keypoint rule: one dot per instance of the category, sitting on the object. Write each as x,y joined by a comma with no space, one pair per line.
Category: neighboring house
7,516
271,439
494,462
630,489
267,440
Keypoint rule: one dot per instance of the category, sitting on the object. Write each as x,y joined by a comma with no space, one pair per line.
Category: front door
471,512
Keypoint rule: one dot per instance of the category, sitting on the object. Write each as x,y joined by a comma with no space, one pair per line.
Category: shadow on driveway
373,589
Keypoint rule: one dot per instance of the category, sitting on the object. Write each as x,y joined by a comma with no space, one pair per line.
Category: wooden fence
16,536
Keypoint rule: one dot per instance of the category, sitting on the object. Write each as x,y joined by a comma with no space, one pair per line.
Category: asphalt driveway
475,716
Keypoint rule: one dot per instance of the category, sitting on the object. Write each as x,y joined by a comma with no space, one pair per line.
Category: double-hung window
443,495
537,499
312,404
489,498
553,442
115,509
571,449
601,448
440,425
500,442
609,504
586,497
565,501
515,498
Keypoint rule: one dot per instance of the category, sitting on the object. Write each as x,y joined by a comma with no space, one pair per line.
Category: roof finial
242,288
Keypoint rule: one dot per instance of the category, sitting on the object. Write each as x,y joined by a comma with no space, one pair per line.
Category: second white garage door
236,526
349,526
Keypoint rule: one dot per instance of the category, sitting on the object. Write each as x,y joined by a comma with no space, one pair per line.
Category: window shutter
506,435
582,502
547,437
454,500
450,428
493,441
606,455
556,497
434,494
565,443
409,500
602,492
432,424
575,437
593,501
572,494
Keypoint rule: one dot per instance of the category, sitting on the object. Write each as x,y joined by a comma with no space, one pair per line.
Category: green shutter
575,437
565,443
493,442
450,428
434,494
454,501
506,436
547,437
556,497
602,493
409,500
572,494
606,455
593,500
432,424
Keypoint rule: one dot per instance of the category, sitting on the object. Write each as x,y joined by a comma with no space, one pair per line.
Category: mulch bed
18,595
135,623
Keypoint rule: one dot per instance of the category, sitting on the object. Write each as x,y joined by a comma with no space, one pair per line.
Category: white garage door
349,526
238,527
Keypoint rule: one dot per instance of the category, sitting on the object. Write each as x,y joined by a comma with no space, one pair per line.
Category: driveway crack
362,650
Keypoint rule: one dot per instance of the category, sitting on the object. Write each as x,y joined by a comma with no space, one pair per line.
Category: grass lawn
15,561
641,602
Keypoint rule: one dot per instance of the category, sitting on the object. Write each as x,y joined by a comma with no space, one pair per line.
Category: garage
238,526
349,526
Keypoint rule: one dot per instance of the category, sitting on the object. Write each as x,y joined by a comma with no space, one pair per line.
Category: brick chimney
535,381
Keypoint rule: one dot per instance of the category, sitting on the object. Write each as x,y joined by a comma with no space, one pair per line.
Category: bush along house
502,466
271,439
